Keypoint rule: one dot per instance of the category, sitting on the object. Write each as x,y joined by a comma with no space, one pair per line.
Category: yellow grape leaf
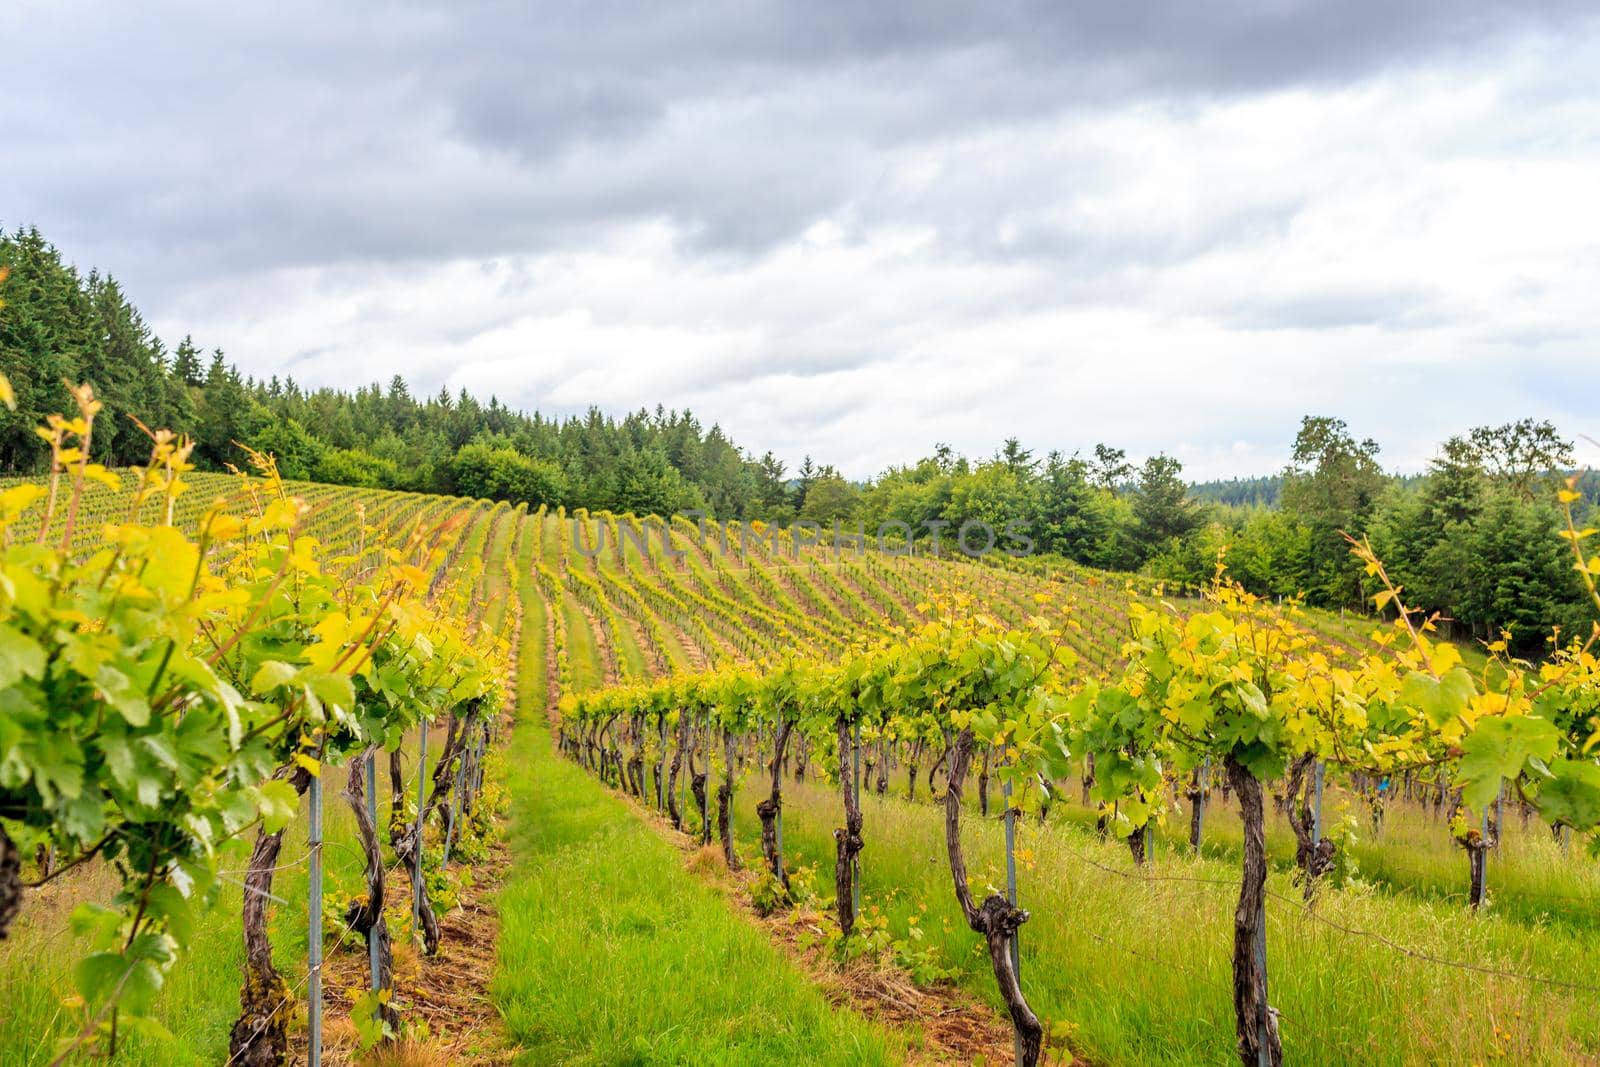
97,473
334,628
311,764
171,561
414,575
224,527
8,396
20,498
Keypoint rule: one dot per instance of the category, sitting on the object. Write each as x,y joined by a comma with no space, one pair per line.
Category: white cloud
858,255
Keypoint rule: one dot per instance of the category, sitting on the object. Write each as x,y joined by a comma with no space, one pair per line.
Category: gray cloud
185,140
1399,307
786,211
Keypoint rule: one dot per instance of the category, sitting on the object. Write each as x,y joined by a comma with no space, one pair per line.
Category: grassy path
612,952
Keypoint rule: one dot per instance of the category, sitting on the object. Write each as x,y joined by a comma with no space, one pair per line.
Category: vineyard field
1124,963
778,535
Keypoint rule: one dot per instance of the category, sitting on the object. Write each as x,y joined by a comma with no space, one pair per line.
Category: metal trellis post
416,879
1011,885
372,812
314,936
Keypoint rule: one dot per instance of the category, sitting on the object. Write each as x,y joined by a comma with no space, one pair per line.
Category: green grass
625,644
612,952
1140,969
201,997
36,965
494,576
1529,878
531,679
582,650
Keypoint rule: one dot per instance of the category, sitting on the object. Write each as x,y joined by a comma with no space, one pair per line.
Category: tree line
61,326
1468,539
1473,539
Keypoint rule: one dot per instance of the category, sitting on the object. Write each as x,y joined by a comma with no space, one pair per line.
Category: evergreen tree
1064,517
1018,460
1162,510
186,363
224,410
1332,485
1520,577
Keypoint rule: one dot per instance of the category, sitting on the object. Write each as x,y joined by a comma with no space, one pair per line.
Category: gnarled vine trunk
592,749
983,785
725,803
636,761
603,736
405,838
673,811
933,771
885,753
1313,857
1255,1021
1197,810
452,741
996,919
260,1036
397,793
769,808
365,915
10,882
847,839
1477,847
697,786
1136,844
661,764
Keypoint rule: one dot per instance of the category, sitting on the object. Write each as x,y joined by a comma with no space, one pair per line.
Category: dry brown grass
406,1054
448,993
704,860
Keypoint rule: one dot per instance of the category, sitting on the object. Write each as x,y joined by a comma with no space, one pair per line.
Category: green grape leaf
278,804
1499,748
272,674
1572,796
20,657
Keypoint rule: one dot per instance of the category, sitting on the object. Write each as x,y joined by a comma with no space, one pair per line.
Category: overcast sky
852,229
